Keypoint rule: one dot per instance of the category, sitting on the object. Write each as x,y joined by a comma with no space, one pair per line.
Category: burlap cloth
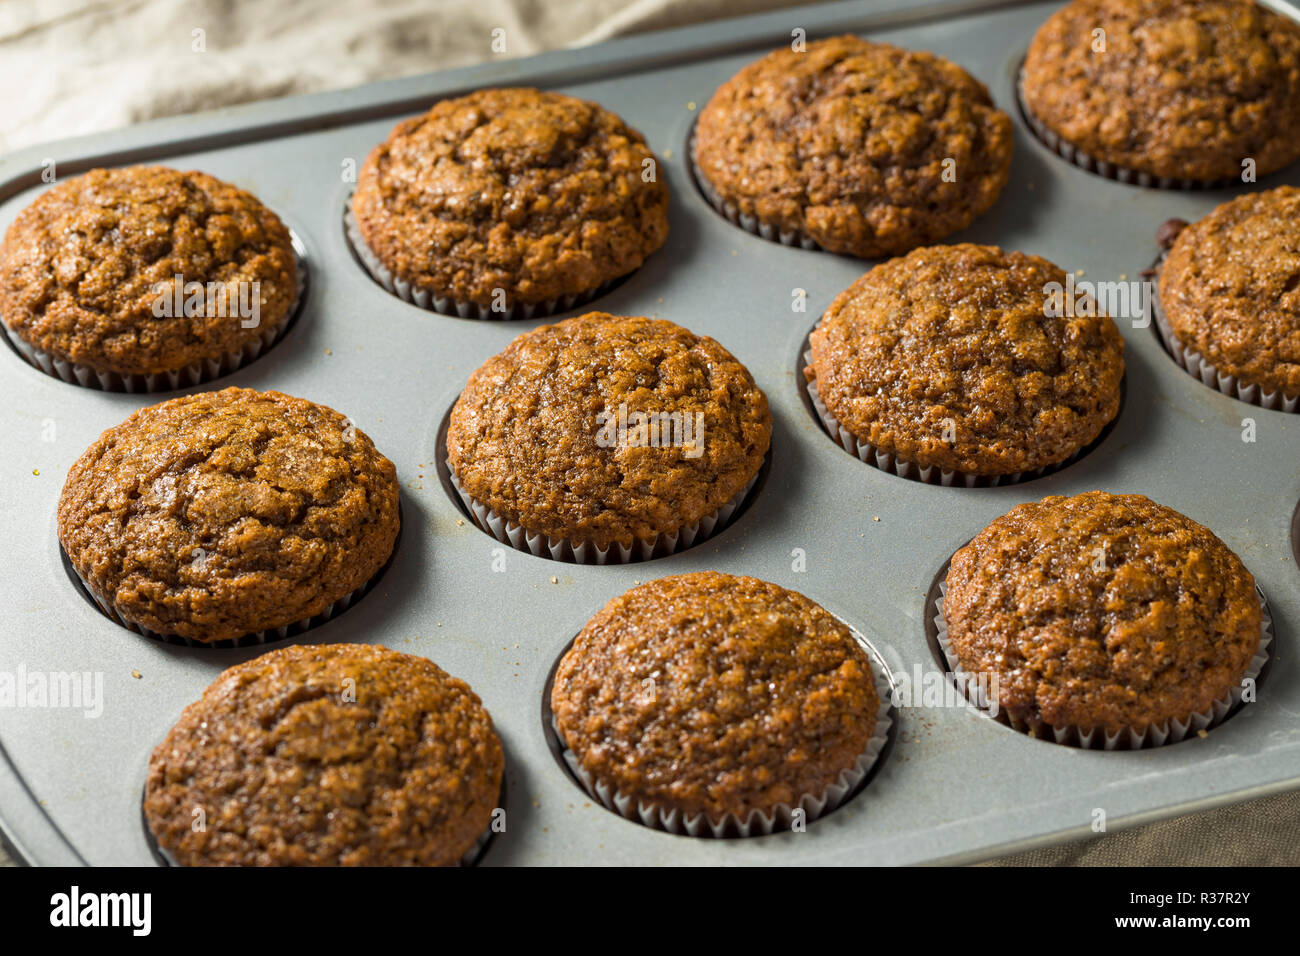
77,66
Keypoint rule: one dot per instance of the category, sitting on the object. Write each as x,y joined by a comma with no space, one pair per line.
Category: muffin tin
953,786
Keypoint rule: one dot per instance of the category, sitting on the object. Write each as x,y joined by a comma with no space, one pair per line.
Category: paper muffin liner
929,474
196,373
446,305
268,636
1097,738
750,223
758,822
1198,366
1076,156
561,549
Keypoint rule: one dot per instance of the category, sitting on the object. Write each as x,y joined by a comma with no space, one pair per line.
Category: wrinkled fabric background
77,66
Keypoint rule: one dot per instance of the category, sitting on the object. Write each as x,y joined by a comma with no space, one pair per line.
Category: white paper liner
1097,738
196,373
446,305
929,474
749,223
1198,366
268,636
757,823
561,549
1100,167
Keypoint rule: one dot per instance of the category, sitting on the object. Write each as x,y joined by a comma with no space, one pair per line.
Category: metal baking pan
955,786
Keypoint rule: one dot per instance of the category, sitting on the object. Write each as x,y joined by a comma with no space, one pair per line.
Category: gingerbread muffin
968,359
708,694
89,274
609,432
327,755
507,198
1228,291
222,514
1102,611
1180,90
858,147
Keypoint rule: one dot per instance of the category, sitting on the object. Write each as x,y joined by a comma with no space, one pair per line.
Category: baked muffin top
83,267
947,357
326,755
715,694
1229,289
220,514
1102,610
865,148
534,193
535,434
1183,88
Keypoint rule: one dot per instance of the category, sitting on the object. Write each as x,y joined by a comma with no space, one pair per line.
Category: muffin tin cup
1171,731
751,224
757,823
196,373
1076,156
561,549
446,305
928,474
1198,366
268,636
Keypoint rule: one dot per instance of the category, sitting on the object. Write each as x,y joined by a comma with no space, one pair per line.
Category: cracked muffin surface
715,694
1230,289
534,435
220,514
83,266
1182,89
326,755
1102,610
534,193
866,148
947,357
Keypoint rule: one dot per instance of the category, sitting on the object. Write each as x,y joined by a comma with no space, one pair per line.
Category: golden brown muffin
326,755
534,193
948,357
1103,611
708,693
862,147
1229,289
1184,89
221,514
83,267
529,437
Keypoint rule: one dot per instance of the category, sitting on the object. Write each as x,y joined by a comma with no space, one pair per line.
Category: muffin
967,359
223,514
607,437
854,146
1179,91
508,198
145,278
708,698
1102,612
327,755
1228,293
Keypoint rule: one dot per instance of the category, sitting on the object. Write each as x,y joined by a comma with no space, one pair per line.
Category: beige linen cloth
76,66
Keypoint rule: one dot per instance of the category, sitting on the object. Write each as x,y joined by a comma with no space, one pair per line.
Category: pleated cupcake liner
562,549
1198,366
196,373
757,822
1170,731
928,474
446,305
270,635
746,221
1077,157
